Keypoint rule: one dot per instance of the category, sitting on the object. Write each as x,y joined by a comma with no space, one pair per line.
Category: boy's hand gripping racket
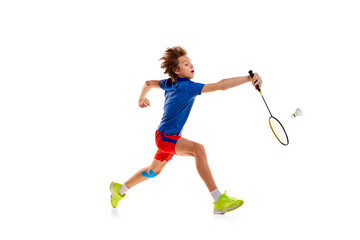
276,126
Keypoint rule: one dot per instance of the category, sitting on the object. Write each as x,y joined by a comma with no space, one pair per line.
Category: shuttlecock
297,113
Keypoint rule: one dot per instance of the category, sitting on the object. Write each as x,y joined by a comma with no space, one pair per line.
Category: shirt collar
182,79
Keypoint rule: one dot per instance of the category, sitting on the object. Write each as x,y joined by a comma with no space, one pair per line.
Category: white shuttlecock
297,113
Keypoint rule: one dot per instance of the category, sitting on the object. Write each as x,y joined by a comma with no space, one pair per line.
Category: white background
71,73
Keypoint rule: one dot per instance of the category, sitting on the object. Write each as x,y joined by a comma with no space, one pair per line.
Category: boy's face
185,68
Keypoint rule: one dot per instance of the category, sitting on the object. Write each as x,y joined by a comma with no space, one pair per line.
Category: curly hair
170,61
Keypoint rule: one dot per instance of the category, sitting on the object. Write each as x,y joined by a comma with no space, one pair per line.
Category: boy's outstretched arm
232,82
143,101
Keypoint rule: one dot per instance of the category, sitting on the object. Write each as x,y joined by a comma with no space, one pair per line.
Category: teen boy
180,93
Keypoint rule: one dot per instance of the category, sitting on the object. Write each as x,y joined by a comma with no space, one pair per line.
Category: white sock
216,194
123,189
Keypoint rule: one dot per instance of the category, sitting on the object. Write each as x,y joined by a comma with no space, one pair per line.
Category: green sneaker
115,196
226,204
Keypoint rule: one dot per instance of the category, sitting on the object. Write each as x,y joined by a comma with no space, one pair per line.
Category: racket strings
278,131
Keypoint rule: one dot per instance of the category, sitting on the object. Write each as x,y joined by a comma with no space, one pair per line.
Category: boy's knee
199,149
156,171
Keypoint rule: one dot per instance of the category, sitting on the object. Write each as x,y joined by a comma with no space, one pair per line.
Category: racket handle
252,75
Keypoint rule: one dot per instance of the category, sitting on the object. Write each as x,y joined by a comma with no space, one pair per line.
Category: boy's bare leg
185,147
156,166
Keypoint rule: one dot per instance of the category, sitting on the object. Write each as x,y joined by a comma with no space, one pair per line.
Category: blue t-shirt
179,99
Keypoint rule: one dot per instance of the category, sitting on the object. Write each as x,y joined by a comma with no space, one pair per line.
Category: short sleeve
195,88
165,83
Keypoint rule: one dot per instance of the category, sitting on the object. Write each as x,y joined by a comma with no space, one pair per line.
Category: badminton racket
275,125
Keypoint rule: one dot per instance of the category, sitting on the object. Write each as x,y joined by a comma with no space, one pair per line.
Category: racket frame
287,138
271,116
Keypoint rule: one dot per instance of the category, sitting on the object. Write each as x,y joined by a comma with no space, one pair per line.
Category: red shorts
166,146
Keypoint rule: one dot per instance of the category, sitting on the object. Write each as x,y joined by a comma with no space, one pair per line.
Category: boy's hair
170,61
